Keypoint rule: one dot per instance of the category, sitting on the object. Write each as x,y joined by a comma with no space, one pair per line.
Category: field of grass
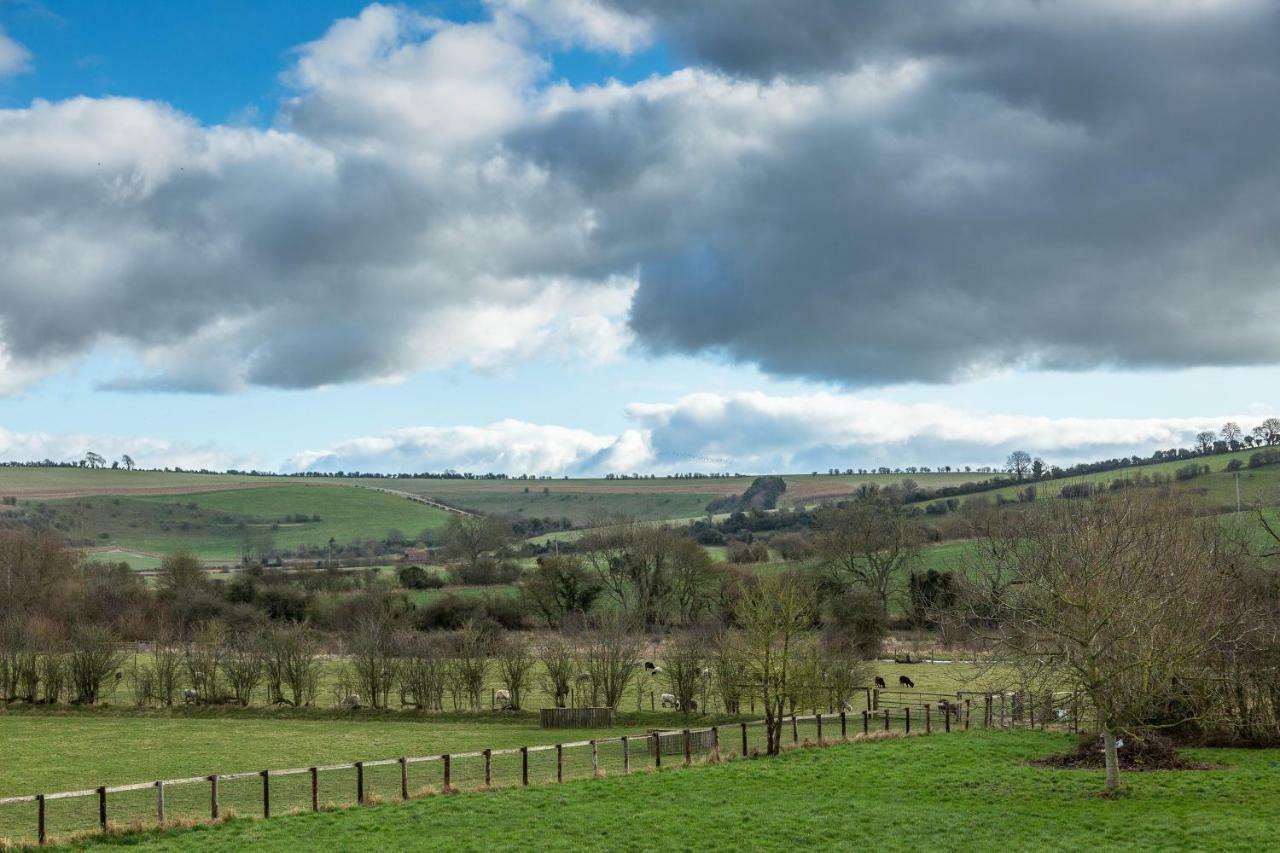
72,482
215,525
967,791
1217,489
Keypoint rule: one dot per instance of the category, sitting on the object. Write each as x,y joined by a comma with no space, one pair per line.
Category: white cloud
755,432
14,58
508,446
578,22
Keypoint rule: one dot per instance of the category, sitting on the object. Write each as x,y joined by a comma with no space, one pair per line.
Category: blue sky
583,275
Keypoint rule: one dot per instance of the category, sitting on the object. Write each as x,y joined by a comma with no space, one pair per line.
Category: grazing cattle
905,682
669,701
880,682
502,698
190,696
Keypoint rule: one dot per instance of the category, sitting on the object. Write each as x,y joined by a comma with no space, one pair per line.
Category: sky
578,237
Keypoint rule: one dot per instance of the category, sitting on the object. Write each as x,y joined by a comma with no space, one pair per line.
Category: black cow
880,682
906,682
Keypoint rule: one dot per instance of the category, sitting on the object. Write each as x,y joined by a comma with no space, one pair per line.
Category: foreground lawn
963,791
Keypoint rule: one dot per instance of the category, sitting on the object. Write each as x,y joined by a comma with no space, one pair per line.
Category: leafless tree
93,660
515,668
775,613
610,658
1123,597
872,542
374,660
559,665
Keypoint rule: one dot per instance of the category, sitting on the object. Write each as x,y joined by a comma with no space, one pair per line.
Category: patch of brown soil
1152,752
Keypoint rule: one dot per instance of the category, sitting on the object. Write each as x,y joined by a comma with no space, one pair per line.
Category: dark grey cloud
896,191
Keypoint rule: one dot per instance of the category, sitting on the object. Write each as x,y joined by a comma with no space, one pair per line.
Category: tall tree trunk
1112,759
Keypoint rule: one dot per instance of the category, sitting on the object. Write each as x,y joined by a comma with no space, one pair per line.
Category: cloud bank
864,192
757,433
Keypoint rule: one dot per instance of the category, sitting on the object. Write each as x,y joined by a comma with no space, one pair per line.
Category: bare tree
1205,440
1122,596
610,658
423,671
1018,463
126,462
684,667
471,651
559,665
871,542
373,657
292,666
515,669
92,661
1231,433
243,665
775,613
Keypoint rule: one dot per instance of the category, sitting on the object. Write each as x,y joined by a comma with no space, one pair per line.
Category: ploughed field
963,791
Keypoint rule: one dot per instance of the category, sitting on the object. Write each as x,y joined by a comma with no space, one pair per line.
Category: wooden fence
575,718
274,791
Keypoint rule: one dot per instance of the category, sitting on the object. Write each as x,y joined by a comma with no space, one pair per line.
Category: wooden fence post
524,765
744,740
214,809
795,730
626,756
488,768
315,789
967,711
946,719
844,729
595,759
866,721
688,749
886,719
160,801
819,718
559,762
404,778
360,782
448,773
715,741
928,719
266,794
875,699
908,710
40,830
102,808
868,689
657,751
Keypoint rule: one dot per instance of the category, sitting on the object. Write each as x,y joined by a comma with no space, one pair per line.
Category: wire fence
41,817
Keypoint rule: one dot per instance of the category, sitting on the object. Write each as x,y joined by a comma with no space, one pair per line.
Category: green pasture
963,791
216,525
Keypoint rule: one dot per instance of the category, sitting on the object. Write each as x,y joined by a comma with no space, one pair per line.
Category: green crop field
215,525
964,791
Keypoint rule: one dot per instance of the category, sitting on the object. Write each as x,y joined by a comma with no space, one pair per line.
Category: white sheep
502,698
352,701
190,696
669,701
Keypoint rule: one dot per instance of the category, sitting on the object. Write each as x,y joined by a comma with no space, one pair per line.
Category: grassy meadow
215,525
964,791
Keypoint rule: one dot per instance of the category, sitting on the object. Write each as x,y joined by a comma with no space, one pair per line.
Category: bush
744,552
1265,457
855,623
1077,490
416,577
451,612
485,571
1235,465
792,546
1190,472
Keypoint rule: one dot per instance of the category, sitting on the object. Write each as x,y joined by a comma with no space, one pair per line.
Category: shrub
1235,465
416,577
792,546
1190,472
485,571
748,552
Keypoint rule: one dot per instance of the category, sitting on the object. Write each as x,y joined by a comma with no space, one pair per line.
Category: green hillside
217,525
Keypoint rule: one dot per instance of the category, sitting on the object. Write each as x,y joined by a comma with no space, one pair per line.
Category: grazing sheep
880,682
650,665
503,698
657,670
905,682
190,696
669,701
352,701
584,676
